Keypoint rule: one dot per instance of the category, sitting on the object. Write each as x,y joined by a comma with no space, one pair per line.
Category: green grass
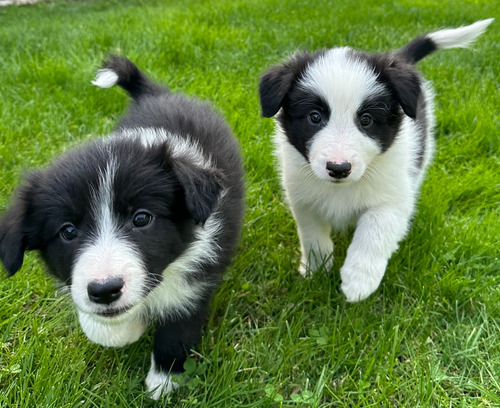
429,337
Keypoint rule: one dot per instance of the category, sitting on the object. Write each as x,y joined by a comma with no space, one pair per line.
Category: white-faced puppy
140,224
353,138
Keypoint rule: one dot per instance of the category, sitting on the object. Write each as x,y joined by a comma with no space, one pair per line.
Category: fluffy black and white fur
353,139
141,224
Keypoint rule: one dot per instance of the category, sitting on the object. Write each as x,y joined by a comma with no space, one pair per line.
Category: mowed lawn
429,337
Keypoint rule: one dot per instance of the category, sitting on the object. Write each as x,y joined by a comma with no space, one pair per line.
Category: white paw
311,264
305,271
361,279
159,382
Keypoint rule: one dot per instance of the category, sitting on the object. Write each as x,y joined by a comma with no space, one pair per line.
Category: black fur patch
66,193
417,49
279,80
387,117
398,76
278,89
131,78
294,117
403,81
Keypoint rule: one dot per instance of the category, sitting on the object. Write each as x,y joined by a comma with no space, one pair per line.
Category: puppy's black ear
16,233
277,82
202,188
406,85
273,87
12,243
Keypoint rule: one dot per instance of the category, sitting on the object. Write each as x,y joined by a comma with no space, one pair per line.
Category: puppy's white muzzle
113,332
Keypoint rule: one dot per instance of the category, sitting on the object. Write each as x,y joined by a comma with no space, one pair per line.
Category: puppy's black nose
105,291
338,171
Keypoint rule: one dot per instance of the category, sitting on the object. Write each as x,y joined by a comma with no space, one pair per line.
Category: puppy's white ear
275,83
202,188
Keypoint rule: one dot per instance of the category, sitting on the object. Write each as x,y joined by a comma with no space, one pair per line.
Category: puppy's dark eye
68,232
365,120
141,219
314,117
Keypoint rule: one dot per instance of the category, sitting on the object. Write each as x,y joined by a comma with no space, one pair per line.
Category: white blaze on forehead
342,80
108,242
102,201
107,253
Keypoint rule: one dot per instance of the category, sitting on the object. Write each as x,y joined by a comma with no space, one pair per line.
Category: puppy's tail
461,37
120,70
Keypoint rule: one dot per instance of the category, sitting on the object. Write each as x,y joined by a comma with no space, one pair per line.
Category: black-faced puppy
140,224
353,138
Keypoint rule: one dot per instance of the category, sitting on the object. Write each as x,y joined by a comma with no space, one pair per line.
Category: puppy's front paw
314,262
159,383
361,278
305,271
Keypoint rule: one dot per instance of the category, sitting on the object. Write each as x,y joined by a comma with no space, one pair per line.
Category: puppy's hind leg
316,246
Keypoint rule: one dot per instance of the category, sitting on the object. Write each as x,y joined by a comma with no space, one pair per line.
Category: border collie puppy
353,138
140,224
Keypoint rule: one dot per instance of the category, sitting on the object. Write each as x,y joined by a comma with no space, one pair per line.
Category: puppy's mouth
111,313
339,181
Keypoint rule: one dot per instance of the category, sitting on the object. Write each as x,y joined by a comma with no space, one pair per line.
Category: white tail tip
461,37
105,78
